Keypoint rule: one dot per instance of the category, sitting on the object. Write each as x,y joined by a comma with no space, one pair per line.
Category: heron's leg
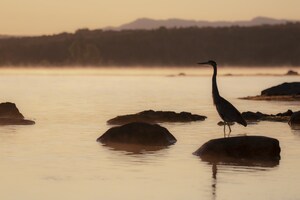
229,129
224,129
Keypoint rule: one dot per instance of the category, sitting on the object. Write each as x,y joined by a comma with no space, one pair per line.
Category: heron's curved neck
215,90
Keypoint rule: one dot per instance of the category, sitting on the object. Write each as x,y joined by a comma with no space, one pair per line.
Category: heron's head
210,62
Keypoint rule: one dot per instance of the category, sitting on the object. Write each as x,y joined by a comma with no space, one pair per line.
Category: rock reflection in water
269,163
133,148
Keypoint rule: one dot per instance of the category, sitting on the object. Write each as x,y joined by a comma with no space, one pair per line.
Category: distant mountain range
147,24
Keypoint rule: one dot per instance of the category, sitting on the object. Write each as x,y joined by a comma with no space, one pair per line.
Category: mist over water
59,158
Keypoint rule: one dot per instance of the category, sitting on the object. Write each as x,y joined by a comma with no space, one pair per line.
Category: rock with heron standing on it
10,115
240,148
138,133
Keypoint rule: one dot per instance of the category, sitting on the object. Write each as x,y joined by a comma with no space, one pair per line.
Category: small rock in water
10,115
258,116
251,116
291,72
288,113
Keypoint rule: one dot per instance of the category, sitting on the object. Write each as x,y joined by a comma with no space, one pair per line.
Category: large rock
253,148
10,115
295,120
138,133
292,88
150,116
258,116
282,92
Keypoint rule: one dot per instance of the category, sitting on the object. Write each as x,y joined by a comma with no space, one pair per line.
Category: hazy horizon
171,71
41,17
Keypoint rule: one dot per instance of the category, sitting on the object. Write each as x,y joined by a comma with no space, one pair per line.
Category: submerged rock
252,148
258,116
295,120
150,116
10,115
138,133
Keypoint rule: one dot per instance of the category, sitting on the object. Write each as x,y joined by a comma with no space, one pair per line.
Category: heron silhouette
226,110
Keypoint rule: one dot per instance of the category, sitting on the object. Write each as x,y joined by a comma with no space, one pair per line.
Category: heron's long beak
202,63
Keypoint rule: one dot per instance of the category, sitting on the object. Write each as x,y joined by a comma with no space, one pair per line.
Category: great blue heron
226,110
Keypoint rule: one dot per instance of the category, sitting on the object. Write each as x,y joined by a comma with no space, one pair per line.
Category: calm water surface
59,158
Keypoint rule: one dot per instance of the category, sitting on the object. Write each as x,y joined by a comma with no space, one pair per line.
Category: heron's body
226,110
232,114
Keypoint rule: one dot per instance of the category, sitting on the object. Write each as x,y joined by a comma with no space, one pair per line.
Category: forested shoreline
265,45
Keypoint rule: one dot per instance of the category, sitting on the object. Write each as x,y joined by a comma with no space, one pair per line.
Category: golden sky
34,17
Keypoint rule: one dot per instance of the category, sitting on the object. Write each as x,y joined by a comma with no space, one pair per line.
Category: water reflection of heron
226,110
248,166
214,181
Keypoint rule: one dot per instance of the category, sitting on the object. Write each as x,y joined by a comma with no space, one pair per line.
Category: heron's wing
229,113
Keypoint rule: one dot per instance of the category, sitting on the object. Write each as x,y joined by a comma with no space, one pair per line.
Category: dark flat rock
138,133
251,148
258,116
150,116
295,120
292,88
10,115
282,92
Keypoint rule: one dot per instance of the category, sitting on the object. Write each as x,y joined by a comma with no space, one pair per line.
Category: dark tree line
259,45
